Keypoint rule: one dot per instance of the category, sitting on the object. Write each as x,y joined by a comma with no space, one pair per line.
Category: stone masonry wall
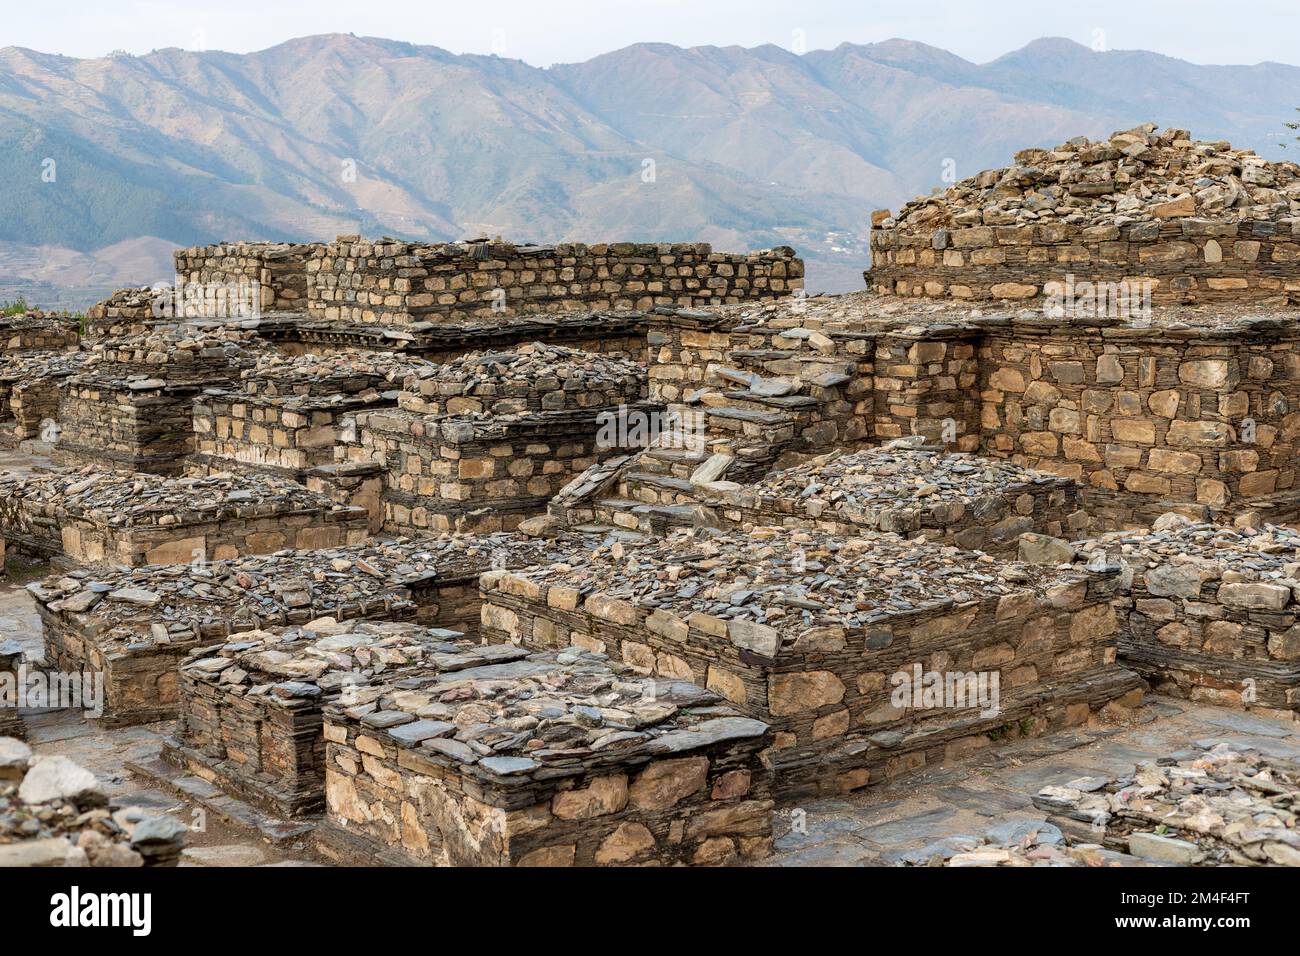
279,268
1187,260
1175,419
387,281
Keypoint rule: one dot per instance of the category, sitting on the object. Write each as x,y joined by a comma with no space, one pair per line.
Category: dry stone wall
387,281
130,520
250,709
485,441
278,268
1174,418
962,500
1210,613
135,626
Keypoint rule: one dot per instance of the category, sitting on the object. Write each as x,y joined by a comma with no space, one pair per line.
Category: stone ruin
411,567
1210,613
803,631
555,759
1195,412
89,516
975,503
36,330
130,406
251,709
133,626
484,441
1196,221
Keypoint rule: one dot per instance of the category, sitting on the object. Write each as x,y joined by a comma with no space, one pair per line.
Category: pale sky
542,33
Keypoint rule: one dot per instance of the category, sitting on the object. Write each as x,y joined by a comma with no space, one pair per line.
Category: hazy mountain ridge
751,147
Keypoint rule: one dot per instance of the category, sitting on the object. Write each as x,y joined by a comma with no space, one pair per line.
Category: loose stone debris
54,813
1223,807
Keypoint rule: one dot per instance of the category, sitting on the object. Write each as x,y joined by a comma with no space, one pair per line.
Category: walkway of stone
930,812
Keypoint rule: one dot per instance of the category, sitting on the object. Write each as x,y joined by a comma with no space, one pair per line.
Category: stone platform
250,709
1209,612
556,759
865,654
120,518
135,626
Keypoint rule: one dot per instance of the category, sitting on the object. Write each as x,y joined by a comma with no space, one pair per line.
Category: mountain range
108,163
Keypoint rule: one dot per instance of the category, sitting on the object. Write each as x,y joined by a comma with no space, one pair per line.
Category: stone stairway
733,430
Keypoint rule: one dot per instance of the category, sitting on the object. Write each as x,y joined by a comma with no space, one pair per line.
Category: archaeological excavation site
369,552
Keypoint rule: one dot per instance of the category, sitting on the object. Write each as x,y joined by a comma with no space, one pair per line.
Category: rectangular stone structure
134,626
821,635
556,759
250,709
287,413
386,281
131,405
964,500
29,393
1144,213
1210,613
37,330
128,519
485,441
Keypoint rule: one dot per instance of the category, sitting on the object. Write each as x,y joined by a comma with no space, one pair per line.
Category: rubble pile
135,625
1228,806
553,759
53,812
977,503
250,709
1200,220
1131,177
125,312
1210,612
131,519
810,632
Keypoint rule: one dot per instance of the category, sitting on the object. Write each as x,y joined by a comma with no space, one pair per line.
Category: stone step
649,519
750,415
779,401
682,485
